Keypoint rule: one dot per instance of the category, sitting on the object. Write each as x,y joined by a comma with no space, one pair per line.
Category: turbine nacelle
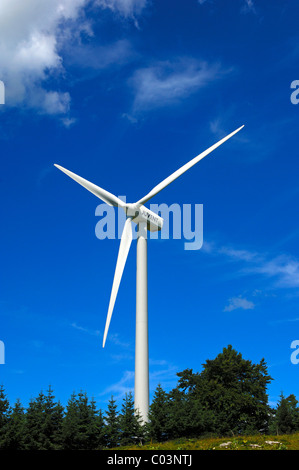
139,214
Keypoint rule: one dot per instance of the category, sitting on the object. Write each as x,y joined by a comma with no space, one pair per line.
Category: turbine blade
107,197
184,168
124,248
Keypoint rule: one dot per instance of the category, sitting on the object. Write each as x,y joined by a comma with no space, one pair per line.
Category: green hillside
258,442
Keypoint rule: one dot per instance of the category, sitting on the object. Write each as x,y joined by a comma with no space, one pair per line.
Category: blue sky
123,93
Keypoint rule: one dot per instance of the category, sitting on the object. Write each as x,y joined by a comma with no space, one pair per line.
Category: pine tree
176,418
43,425
34,437
53,419
82,425
130,422
159,415
187,415
16,428
95,428
70,423
100,430
5,412
286,420
112,435
293,402
83,421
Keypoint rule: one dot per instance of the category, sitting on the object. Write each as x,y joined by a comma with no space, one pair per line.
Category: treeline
46,425
229,397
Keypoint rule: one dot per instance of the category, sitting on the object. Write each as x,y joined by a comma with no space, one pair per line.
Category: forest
227,398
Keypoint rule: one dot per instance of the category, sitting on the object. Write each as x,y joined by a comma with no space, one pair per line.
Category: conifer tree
34,437
95,428
84,421
70,423
44,417
177,418
112,435
82,425
53,419
235,389
130,422
100,430
159,415
15,433
286,420
4,417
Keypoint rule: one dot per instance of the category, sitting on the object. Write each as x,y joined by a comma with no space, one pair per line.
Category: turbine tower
145,220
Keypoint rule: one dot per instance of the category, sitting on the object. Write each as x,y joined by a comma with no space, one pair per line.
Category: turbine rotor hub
140,213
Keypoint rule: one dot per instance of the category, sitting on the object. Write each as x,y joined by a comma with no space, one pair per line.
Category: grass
258,442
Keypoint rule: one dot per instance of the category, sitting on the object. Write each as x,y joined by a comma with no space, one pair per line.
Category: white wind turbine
146,220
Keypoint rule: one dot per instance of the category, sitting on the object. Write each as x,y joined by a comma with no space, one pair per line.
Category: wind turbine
145,220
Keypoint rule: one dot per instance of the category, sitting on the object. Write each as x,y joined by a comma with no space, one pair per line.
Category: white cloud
85,330
123,386
68,122
239,303
243,255
283,268
127,8
248,6
114,338
165,376
99,57
167,82
30,33
34,34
